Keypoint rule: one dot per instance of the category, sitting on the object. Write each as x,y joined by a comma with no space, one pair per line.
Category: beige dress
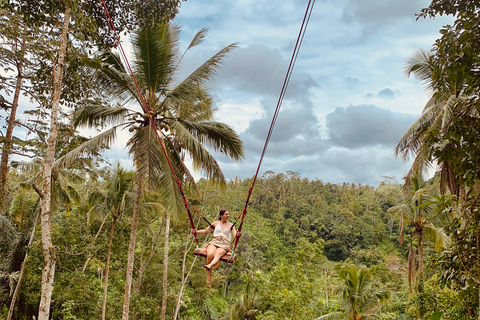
222,238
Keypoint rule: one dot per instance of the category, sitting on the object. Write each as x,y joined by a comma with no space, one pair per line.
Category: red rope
298,43
147,110
301,34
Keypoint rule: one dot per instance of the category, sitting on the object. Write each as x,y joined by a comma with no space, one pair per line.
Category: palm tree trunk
90,255
411,265
131,251
22,270
165,267
107,268
420,253
7,145
49,256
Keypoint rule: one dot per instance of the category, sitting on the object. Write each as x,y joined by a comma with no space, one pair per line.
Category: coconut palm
418,206
447,102
360,292
181,110
113,200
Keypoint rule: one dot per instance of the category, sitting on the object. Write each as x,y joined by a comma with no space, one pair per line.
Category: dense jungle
83,237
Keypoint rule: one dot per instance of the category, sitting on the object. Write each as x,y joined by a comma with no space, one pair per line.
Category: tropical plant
447,102
246,307
114,200
181,111
418,205
360,292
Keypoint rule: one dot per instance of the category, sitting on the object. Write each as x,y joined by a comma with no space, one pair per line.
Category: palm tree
246,306
181,110
447,102
115,199
418,206
360,292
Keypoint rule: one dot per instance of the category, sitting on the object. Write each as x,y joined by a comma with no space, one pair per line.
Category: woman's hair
221,213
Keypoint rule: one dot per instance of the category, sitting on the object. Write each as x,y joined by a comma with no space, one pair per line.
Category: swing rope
146,109
301,34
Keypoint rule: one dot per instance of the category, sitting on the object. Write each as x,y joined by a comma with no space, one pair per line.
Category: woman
220,244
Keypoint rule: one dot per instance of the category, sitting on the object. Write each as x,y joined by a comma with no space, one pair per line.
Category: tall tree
416,206
447,102
182,112
90,32
114,200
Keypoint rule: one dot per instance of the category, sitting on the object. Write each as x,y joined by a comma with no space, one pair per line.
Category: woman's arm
234,232
207,229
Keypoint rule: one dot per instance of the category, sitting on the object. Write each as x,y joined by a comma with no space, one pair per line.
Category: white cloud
348,101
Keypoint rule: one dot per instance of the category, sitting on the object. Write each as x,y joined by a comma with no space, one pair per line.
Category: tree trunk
420,253
143,266
131,251
49,257
188,246
107,267
165,268
7,145
22,270
90,255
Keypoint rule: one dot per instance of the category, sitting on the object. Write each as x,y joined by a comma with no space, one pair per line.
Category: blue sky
348,101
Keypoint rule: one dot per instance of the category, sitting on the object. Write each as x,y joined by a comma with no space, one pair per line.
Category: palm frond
114,80
198,38
97,114
437,236
32,166
155,52
203,73
152,166
153,207
94,145
219,136
420,65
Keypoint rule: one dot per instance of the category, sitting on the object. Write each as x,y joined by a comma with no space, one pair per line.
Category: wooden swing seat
225,258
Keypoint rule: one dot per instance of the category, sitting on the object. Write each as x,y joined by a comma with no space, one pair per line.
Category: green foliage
437,302
283,271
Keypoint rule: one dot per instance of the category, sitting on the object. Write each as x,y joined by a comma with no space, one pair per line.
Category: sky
348,101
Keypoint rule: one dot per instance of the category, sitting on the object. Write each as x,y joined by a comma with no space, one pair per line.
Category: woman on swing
220,244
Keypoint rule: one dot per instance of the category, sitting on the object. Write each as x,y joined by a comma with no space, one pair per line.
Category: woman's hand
239,234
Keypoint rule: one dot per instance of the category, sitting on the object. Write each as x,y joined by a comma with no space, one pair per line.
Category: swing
228,257
202,251
231,257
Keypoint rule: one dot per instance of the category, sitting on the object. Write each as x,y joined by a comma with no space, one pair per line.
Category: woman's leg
211,249
209,276
210,253
219,252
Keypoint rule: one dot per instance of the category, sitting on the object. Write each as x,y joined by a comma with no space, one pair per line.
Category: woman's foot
207,267
209,282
